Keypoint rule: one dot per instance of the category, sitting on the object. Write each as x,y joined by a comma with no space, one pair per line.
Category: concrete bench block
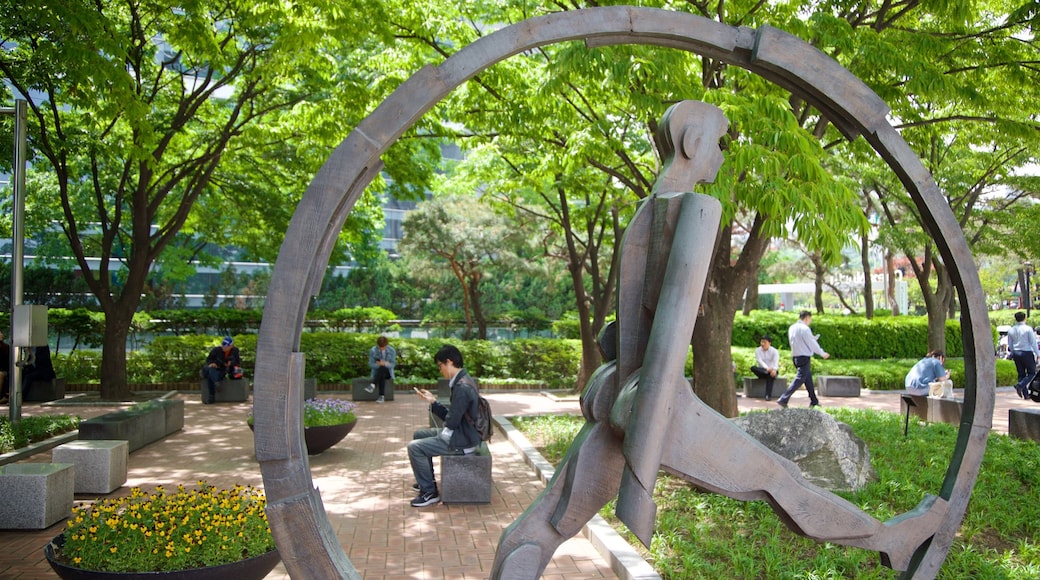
35,495
228,391
835,386
755,388
100,465
1024,423
945,410
42,391
358,392
310,388
930,409
174,411
138,427
466,478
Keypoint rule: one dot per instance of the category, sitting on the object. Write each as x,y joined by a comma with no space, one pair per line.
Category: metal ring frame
301,528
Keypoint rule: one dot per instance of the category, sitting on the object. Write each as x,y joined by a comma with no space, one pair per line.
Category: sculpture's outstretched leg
742,468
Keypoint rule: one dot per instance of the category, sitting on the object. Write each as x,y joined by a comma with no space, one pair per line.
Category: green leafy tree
155,123
466,239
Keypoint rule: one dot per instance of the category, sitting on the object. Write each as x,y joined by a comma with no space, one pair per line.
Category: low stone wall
139,426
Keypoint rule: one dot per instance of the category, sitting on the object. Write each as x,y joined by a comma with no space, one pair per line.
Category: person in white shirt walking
767,363
1022,344
803,346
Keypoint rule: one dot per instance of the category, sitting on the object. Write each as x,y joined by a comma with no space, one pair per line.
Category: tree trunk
868,285
713,334
818,274
890,284
751,300
114,386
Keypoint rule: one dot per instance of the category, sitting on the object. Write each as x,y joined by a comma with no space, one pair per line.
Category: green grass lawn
703,535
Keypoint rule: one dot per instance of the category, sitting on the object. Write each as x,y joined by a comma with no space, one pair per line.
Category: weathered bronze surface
302,531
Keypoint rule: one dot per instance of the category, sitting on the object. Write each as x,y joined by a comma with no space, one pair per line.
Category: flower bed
160,531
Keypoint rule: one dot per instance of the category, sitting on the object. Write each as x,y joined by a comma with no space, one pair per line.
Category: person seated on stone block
38,367
767,363
222,361
382,358
929,375
459,436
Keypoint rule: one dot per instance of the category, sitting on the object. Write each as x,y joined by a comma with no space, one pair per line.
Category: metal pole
17,251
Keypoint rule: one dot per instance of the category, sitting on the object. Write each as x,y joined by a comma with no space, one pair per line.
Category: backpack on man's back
482,422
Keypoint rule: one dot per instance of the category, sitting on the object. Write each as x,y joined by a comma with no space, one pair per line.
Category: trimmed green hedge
880,351
851,337
339,357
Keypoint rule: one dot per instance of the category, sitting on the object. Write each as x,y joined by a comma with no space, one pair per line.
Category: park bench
45,390
227,391
138,426
838,386
930,409
755,388
100,464
35,496
467,478
358,390
1024,423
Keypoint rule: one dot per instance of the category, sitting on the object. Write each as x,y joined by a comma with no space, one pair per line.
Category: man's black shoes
425,499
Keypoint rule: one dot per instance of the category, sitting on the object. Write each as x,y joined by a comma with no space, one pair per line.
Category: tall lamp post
20,113
1027,293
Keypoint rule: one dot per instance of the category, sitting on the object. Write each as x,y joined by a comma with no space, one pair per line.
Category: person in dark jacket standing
458,437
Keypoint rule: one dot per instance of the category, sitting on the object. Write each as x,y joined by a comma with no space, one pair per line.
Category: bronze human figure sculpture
641,414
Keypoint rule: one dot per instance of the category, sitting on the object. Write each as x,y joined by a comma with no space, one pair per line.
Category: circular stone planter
254,568
319,439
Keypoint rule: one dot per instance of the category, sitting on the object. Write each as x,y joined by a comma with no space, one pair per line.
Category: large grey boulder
829,454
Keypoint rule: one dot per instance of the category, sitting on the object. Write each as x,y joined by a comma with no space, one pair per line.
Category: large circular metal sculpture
301,528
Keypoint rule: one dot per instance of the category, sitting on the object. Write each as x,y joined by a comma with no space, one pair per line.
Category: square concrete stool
35,495
100,464
228,391
1024,423
466,478
838,386
358,392
755,388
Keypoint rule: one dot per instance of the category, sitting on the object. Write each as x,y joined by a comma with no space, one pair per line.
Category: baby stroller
1002,342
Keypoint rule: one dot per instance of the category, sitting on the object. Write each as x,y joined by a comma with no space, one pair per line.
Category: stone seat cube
837,386
1024,423
35,496
228,391
43,391
358,392
755,388
466,478
100,464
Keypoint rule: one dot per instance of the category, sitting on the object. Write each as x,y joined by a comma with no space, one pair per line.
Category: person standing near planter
803,346
222,360
382,358
458,437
